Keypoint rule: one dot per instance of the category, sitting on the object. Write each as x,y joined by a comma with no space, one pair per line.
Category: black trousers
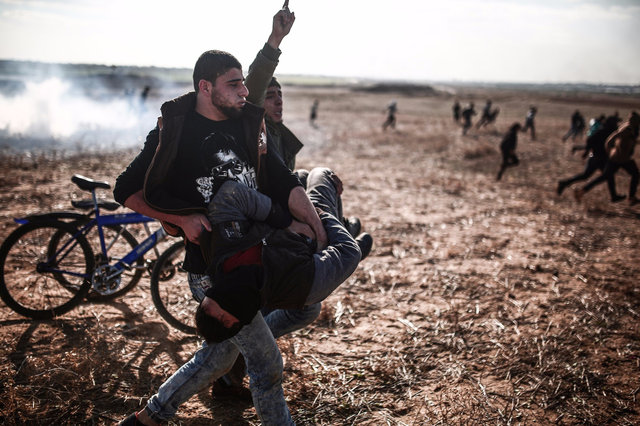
593,164
610,169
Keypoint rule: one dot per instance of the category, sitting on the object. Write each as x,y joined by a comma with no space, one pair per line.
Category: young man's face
229,93
273,104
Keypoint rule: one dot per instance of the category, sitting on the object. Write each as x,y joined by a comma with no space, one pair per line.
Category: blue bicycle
48,265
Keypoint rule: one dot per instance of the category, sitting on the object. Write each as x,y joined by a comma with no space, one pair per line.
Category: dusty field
482,302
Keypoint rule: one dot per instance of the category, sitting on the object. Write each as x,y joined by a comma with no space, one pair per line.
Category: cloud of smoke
58,113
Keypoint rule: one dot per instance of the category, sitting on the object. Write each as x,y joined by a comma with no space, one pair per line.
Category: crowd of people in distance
609,146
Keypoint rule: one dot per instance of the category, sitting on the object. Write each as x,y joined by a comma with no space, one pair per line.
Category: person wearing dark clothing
456,111
392,108
595,123
620,146
597,157
467,114
508,149
284,270
577,126
489,118
313,115
529,122
487,115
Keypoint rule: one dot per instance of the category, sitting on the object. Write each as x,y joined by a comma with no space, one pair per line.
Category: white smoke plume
65,114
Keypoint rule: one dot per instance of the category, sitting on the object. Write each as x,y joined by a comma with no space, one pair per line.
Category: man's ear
204,86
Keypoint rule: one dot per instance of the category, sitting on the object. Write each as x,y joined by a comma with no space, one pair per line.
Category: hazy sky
592,41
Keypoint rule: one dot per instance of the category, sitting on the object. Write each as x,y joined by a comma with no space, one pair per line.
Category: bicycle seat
88,204
87,184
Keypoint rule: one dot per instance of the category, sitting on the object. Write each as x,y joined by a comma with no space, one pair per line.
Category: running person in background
595,123
508,149
456,111
486,114
597,157
314,113
467,114
577,126
620,146
391,110
529,121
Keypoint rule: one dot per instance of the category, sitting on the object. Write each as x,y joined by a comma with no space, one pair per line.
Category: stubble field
482,302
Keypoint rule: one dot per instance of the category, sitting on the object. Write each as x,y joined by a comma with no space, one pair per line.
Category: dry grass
482,302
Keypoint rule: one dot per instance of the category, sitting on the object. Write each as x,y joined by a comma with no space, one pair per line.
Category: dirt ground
482,302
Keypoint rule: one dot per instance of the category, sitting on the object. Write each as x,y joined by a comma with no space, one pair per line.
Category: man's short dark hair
212,64
212,330
274,82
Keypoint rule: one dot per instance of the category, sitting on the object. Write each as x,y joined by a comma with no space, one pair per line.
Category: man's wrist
271,48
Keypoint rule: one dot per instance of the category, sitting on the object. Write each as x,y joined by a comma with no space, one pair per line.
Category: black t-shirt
210,152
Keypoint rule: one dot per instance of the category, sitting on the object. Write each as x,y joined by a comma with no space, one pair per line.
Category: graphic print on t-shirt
223,164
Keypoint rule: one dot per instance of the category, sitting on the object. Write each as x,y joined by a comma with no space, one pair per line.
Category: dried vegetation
482,302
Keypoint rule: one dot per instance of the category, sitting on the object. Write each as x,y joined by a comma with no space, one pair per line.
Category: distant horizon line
344,79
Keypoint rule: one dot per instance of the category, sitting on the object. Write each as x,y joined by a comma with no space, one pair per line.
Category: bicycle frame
100,221
124,219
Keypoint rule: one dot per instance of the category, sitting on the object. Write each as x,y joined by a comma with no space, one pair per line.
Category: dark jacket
509,141
242,218
281,284
285,142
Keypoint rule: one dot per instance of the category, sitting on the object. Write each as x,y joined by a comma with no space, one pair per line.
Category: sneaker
365,242
578,193
352,224
616,198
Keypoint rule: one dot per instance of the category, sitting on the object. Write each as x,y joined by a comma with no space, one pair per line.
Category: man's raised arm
264,65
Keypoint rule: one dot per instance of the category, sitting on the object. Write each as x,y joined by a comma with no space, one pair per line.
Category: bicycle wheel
119,243
170,290
27,281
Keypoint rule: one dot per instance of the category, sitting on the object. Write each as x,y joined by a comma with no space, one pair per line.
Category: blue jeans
264,367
